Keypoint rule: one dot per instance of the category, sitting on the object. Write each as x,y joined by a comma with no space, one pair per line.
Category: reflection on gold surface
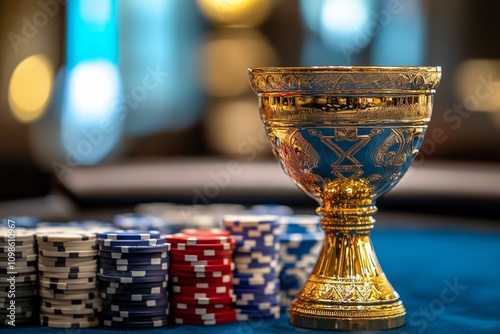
228,54
30,88
236,13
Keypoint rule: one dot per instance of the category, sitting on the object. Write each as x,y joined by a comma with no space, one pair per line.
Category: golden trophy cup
345,136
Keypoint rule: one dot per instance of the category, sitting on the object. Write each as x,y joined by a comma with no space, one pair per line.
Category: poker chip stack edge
201,277
256,258
18,275
301,241
67,267
133,278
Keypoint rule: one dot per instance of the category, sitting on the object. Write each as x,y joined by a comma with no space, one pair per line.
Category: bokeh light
236,13
227,56
477,83
234,129
30,88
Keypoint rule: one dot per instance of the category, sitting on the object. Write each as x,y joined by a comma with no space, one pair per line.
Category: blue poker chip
261,222
136,249
270,300
106,297
106,266
297,238
141,261
121,279
133,306
249,260
254,230
271,209
20,222
121,243
267,250
254,291
127,286
256,243
113,255
137,313
129,235
300,224
143,322
134,290
135,273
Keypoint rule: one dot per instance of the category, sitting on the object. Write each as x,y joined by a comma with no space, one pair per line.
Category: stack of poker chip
256,258
301,241
18,276
67,267
201,275
133,276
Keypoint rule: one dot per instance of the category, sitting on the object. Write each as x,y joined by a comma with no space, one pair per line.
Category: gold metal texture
345,136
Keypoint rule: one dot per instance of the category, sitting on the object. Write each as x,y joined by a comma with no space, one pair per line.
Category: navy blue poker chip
135,305
143,322
129,235
137,313
122,279
118,267
134,290
130,286
135,273
136,261
136,249
121,243
272,300
113,255
132,296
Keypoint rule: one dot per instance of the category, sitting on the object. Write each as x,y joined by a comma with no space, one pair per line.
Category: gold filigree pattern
298,157
321,80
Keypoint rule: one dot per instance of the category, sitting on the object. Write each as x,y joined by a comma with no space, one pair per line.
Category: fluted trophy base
348,289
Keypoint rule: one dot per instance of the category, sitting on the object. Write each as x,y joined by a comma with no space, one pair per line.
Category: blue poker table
448,278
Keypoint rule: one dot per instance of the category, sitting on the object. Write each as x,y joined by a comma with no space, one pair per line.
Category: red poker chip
201,281
218,321
185,306
194,258
198,275
200,309
208,316
207,232
200,295
202,268
209,252
224,299
211,288
199,239
183,246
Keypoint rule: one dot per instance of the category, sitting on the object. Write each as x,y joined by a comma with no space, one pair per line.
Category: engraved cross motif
346,166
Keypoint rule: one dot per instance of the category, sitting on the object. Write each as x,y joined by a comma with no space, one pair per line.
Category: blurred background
102,98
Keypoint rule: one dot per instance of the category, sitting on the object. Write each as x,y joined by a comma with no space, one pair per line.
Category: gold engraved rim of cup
353,80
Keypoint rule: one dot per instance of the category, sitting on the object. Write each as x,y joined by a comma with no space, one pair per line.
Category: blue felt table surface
448,280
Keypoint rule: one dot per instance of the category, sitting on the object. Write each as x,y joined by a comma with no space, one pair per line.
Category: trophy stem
347,289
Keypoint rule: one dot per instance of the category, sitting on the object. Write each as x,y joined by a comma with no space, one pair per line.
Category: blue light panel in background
160,65
402,41
91,120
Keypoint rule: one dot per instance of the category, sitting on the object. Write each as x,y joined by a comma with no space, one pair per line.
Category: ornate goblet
345,136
